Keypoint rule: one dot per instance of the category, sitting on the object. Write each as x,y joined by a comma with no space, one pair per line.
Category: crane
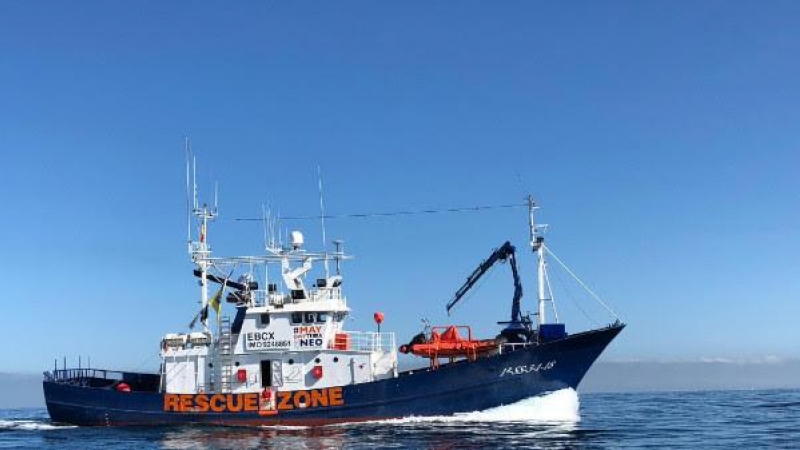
518,329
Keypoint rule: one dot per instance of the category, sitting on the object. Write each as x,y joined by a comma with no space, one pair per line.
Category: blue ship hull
463,386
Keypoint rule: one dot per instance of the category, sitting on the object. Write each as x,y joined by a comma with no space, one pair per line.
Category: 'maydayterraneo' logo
253,401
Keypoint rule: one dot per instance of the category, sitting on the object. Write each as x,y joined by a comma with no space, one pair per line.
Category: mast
200,255
537,246
199,250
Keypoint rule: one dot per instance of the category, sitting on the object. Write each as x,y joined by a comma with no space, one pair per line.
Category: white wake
30,425
556,407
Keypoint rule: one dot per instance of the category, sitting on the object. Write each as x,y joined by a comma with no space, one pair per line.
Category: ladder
225,352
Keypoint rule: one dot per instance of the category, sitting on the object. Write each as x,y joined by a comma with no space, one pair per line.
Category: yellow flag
216,302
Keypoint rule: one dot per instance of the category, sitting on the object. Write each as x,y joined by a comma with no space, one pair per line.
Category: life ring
266,406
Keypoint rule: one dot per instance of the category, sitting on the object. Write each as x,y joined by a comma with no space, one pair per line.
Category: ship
285,356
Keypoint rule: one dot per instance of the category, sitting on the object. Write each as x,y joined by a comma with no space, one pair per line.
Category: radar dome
297,240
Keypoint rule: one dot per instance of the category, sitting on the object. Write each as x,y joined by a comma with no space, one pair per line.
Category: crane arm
504,252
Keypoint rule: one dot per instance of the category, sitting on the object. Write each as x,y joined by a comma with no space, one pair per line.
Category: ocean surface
563,419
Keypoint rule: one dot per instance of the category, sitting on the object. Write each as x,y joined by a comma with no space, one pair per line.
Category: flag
216,301
194,321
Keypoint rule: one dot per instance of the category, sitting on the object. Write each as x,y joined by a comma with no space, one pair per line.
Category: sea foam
30,425
556,407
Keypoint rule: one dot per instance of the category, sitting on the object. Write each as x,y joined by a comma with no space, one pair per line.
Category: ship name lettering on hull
531,368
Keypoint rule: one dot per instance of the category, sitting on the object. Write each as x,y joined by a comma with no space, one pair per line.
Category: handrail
363,341
516,346
57,375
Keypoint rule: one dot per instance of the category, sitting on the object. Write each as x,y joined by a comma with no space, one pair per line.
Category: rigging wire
574,301
596,297
392,213
552,296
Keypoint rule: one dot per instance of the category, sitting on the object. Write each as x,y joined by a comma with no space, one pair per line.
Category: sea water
563,419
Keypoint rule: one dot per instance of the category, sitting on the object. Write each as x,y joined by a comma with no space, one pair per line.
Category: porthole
317,360
335,359
291,361
236,364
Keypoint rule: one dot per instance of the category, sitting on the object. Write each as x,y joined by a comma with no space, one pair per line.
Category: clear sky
661,139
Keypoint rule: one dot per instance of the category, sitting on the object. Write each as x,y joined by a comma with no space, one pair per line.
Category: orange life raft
446,342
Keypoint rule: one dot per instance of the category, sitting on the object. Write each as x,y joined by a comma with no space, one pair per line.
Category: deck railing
263,298
363,341
62,375
505,348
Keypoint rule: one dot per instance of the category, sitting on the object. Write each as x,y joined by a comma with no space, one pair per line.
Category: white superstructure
284,336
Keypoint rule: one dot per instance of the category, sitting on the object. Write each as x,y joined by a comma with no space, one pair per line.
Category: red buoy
317,372
123,387
266,394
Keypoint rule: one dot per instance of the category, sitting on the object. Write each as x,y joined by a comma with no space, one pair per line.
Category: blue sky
660,137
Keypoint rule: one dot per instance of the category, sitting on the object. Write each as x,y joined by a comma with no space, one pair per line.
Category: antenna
194,180
188,151
531,223
266,226
339,248
269,230
322,218
216,195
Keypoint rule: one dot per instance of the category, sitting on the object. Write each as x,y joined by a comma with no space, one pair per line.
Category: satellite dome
297,240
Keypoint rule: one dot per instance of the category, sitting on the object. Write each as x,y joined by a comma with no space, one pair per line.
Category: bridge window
322,317
264,319
310,317
297,317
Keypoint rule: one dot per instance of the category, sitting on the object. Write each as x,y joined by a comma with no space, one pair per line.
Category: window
322,317
297,317
310,317
265,319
